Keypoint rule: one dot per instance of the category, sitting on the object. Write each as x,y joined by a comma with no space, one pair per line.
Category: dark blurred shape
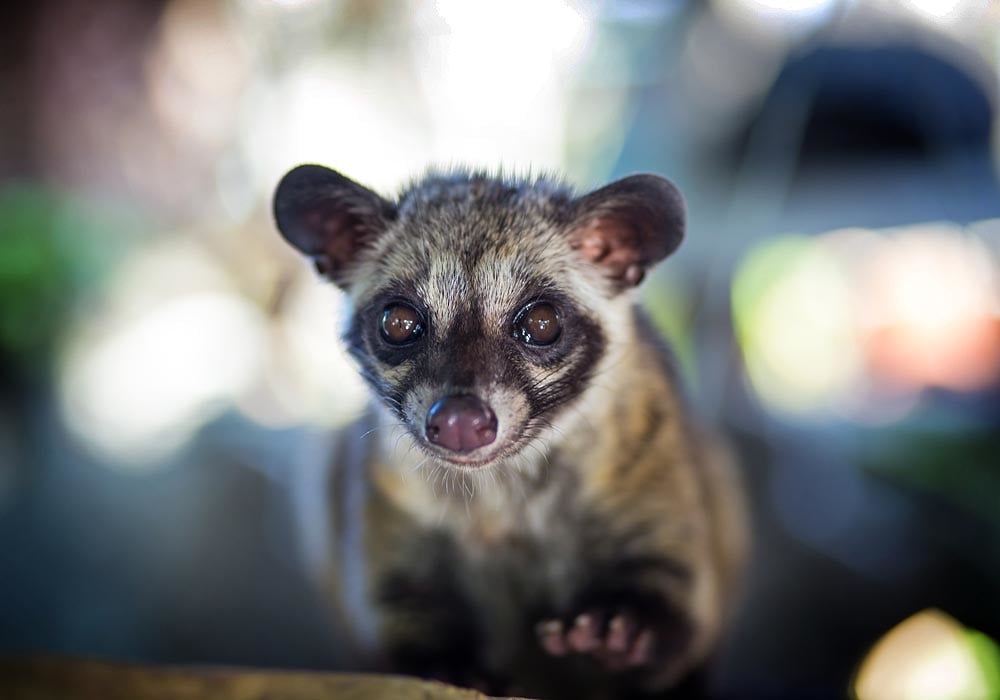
879,102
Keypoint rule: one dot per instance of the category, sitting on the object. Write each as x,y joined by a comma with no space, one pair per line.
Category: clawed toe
619,642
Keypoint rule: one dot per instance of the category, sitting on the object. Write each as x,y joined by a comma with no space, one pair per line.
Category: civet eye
537,324
401,324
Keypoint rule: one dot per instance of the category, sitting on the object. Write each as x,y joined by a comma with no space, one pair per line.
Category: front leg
425,629
428,627
647,594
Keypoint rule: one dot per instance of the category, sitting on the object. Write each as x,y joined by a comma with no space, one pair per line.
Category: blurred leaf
52,249
987,654
957,467
668,305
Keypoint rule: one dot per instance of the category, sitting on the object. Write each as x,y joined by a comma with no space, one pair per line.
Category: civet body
527,506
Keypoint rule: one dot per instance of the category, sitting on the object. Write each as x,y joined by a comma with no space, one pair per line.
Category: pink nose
461,423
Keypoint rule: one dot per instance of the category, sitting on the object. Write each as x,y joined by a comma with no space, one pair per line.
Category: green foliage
52,249
958,466
668,305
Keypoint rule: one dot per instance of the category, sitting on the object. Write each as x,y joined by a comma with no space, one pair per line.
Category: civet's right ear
329,217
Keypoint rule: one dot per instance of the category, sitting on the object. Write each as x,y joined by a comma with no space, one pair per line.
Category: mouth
482,459
473,460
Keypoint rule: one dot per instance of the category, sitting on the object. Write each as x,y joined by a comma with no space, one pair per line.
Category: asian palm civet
527,504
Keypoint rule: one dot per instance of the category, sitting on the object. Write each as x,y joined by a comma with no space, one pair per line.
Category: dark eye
537,324
401,324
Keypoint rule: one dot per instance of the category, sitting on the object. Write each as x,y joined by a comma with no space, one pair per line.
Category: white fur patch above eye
444,286
500,285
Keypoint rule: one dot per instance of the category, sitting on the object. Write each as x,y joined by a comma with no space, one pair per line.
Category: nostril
461,423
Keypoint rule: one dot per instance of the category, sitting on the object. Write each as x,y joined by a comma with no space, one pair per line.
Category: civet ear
628,226
329,217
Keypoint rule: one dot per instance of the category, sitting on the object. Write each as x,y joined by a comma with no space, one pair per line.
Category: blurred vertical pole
17,153
761,186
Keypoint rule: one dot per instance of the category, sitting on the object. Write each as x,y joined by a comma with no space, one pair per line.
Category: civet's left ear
628,226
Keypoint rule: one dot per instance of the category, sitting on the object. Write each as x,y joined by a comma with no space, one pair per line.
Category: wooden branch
62,679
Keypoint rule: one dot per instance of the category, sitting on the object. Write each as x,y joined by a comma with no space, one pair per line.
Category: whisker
419,464
381,427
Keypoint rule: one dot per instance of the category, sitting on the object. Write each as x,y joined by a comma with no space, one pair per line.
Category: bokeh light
930,656
933,311
854,320
174,346
794,313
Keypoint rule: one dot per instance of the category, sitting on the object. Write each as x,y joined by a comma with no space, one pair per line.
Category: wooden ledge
66,679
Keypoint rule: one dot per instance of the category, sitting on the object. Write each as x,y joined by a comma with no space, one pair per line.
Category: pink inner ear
338,238
614,245
341,239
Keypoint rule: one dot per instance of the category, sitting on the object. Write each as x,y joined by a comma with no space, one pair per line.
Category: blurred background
165,360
